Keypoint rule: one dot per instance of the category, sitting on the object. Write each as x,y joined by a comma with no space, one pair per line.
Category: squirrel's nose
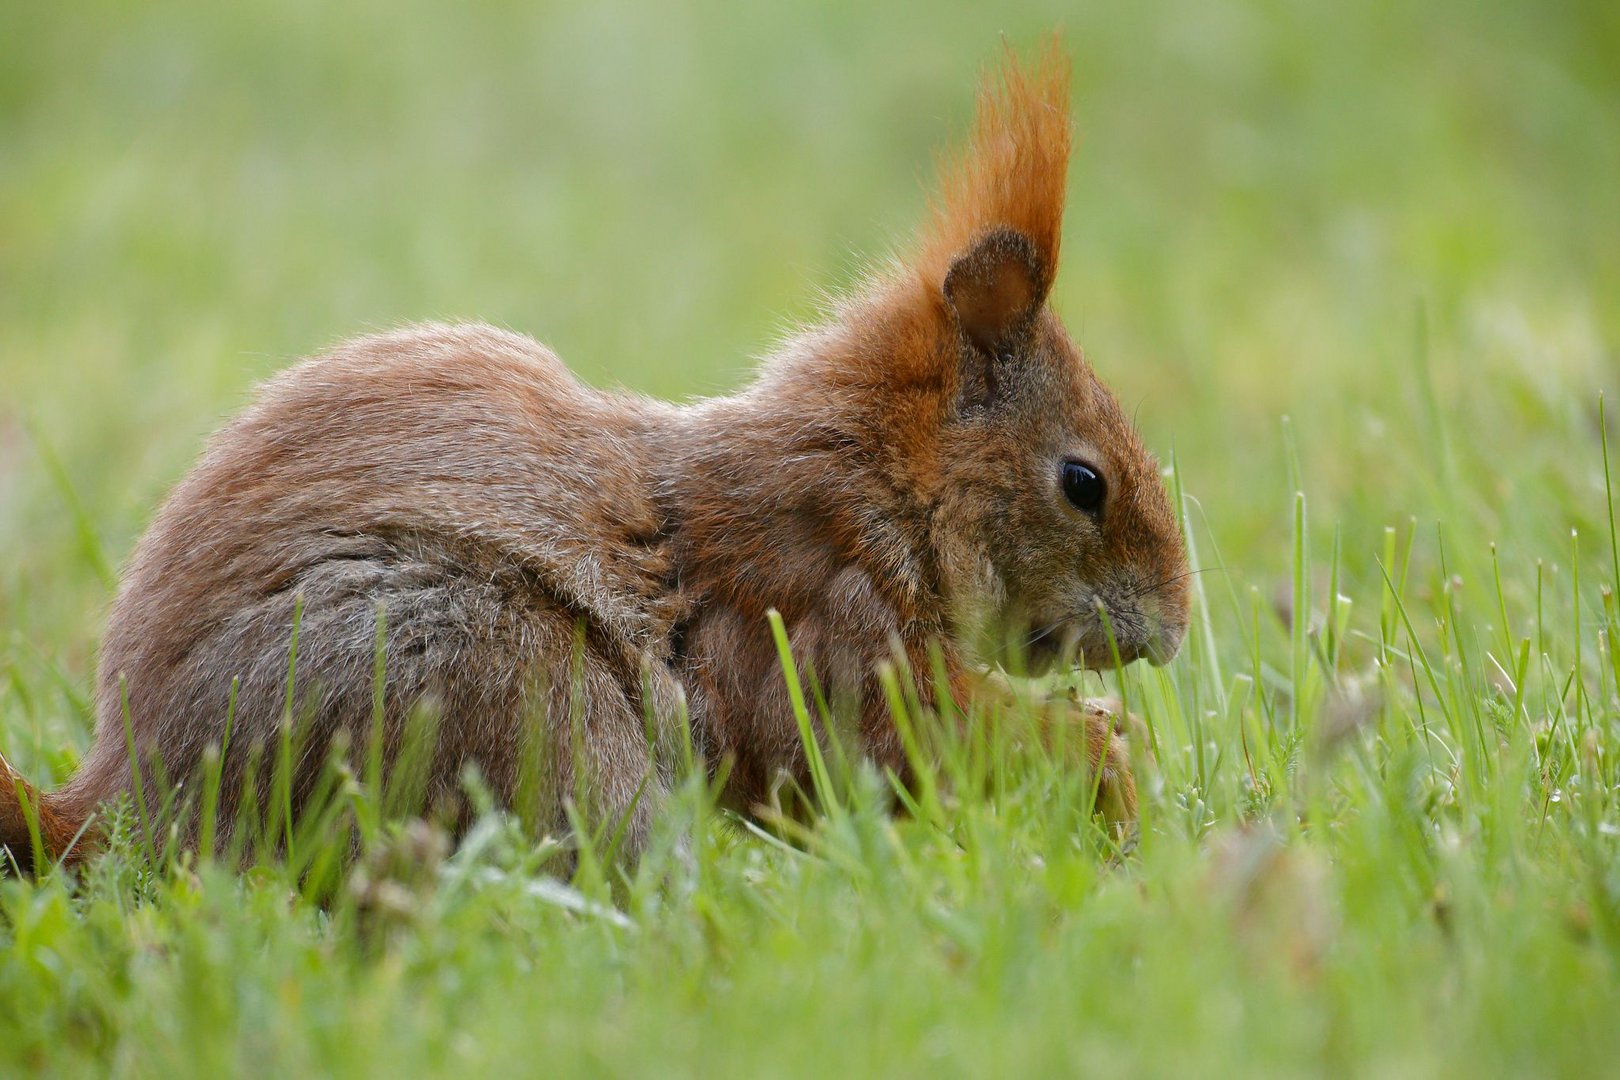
1163,643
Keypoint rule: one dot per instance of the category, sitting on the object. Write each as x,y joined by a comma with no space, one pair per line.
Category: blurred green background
1394,223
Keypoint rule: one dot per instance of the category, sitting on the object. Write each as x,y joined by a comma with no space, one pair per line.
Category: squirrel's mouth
1045,651
1042,657
1087,643
1062,647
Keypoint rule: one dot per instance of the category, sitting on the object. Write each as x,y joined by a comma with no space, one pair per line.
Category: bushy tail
32,825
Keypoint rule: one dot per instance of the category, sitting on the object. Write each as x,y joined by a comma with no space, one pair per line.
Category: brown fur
558,564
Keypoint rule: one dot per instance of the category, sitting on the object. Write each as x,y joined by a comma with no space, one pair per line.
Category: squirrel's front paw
1108,761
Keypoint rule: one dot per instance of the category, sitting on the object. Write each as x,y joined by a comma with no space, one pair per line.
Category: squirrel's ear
994,289
990,249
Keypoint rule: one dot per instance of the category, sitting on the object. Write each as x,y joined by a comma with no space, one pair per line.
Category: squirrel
933,467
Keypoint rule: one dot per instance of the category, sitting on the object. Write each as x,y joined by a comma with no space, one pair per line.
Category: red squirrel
933,467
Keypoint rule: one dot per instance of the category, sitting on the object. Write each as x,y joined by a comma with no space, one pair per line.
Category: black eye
1083,487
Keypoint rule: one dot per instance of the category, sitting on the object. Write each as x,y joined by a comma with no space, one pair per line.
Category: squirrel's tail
33,828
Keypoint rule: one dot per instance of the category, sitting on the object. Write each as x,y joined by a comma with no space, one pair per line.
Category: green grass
1354,264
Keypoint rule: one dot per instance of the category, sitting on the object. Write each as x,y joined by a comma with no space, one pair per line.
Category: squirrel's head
1054,528
1055,535
1047,519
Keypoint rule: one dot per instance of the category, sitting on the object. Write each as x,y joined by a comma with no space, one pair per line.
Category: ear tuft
1008,180
995,289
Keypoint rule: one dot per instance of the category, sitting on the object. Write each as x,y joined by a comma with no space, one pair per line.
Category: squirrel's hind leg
596,766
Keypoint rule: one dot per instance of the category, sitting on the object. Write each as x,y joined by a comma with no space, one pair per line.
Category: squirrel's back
458,476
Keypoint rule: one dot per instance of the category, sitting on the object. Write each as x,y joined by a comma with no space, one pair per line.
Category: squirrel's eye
1083,487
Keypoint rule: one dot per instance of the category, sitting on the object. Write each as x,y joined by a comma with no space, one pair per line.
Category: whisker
1150,589
1046,630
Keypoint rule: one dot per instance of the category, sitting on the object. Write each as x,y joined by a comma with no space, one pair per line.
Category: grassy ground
1356,267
